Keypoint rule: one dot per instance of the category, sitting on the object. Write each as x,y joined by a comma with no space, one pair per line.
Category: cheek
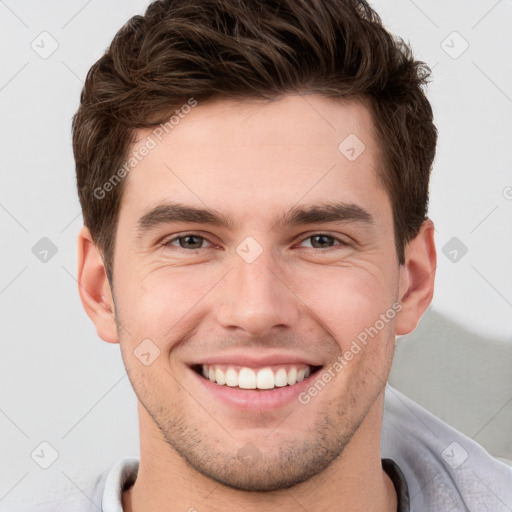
348,301
159,305
163,304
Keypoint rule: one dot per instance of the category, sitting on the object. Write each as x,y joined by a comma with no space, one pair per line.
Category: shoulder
444,469
58,491
62,491
122,475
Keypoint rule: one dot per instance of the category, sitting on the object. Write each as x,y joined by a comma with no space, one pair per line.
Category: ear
417,275
94,288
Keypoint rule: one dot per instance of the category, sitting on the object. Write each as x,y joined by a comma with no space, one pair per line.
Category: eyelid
344,241
302,238
167,241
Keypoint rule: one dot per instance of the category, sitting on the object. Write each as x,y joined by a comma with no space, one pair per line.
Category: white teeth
220,377
247,379
292,376
281,378
264,378
231,377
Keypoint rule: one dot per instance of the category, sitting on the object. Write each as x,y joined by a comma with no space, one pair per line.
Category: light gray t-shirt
444,470
124,473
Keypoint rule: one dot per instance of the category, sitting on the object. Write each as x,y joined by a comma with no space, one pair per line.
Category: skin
253,161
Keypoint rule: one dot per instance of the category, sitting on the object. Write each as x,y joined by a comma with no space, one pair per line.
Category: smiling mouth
264,378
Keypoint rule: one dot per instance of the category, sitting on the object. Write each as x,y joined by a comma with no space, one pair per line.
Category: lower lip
251,399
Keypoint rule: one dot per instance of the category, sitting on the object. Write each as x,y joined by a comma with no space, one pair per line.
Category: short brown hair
211,49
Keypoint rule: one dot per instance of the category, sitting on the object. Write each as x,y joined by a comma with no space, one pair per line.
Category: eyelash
341,241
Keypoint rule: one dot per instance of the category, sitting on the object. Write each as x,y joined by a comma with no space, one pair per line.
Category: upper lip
257,360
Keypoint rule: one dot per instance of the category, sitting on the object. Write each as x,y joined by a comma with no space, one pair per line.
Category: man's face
261,292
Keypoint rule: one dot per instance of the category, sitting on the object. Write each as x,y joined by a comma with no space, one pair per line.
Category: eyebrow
169,212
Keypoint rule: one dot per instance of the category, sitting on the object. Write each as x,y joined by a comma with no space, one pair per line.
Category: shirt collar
124,473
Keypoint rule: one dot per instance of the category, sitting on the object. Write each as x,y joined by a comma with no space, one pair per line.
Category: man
290,144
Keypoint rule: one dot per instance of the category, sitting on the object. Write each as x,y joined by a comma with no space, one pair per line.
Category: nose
256,298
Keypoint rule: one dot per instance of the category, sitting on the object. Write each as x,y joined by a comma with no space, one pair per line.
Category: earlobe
417,279
94,288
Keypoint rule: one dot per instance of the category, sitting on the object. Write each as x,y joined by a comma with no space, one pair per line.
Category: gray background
62,385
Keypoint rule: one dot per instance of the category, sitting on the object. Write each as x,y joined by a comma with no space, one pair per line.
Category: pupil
325,238
185,240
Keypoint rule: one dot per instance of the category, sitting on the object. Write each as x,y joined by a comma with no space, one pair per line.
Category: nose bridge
254,296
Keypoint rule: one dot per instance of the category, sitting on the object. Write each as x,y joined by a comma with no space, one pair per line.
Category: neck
354,481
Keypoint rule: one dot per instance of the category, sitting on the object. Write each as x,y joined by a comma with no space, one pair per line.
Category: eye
324,241
187,241
193,241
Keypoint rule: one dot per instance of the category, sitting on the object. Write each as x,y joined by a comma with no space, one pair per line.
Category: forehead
247,157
